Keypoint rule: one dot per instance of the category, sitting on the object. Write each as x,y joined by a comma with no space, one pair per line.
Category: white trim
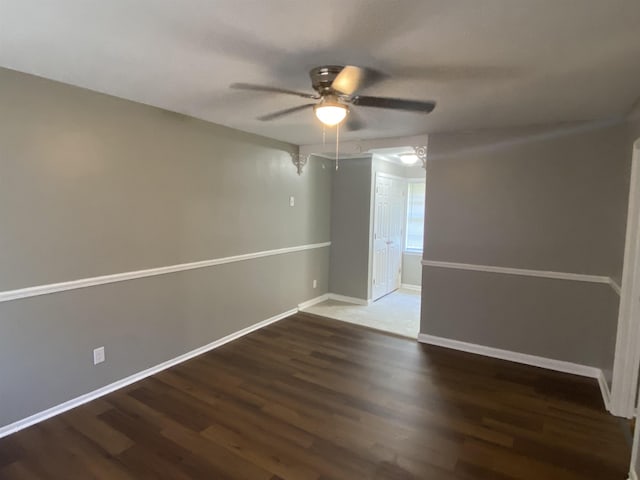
121,277
633,474
354,300
604,391
408,286
579,277
524,358
313,301
627,354
616,287
87,397
635,449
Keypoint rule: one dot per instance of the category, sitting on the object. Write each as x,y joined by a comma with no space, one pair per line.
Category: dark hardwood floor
310,398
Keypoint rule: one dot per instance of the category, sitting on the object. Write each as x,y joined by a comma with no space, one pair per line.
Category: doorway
377,216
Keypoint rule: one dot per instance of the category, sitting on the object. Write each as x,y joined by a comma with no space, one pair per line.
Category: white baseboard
604,391
313,301
533,360
87,397
408,286
354,300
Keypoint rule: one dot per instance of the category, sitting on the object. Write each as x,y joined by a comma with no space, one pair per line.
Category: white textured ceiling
487,63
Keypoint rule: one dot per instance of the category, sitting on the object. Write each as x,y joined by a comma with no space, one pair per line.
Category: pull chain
324,135
337,143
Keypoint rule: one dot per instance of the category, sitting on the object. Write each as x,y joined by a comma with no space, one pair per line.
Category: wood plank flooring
310,398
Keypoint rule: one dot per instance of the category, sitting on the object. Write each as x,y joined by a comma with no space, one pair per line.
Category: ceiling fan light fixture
409,158
330,111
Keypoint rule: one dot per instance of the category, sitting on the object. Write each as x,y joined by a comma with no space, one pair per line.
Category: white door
380,234
388,227
397,206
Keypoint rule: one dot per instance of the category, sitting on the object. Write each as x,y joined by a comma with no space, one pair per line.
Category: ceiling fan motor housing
323,77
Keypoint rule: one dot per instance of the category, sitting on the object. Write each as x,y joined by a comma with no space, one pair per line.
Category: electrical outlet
98,355
292,201
315,284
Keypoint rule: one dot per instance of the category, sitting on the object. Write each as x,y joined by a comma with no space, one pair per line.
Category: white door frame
626,365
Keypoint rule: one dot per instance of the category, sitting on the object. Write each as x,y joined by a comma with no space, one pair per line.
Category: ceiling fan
337,89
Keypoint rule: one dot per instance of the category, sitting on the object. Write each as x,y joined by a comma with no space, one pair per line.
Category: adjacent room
274,240
377,234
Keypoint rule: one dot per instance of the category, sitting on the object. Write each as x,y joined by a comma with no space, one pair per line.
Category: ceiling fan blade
354,121
353,79
282,113
394,104
264,88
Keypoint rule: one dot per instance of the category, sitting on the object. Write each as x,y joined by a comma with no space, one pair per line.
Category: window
415,216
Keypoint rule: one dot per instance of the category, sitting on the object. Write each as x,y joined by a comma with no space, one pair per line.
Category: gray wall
559,319
93,185
350,216
530,199
533,199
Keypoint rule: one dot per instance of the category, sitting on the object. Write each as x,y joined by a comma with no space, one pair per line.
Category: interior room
273,240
